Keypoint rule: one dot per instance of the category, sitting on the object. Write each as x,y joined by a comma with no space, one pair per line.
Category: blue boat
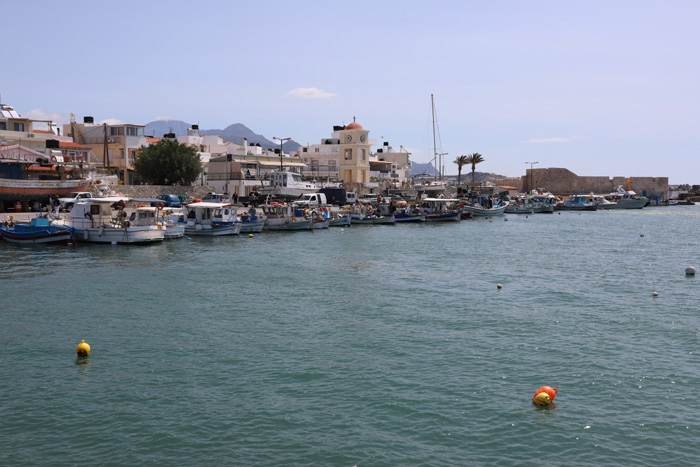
39,230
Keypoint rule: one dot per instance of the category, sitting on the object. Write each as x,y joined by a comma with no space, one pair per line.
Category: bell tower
354,155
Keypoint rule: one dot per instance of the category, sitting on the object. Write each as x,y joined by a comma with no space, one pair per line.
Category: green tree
474,159
168,163
461,161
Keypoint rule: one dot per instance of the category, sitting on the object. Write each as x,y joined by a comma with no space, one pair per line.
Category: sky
603,88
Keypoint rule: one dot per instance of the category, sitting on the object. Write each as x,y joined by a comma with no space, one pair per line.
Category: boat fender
80,159
121,204
159,205
53,159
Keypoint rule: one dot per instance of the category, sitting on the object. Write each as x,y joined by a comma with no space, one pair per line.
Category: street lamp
282,140
531,164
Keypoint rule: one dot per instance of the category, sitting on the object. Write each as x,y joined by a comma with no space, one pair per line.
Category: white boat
94,220
440,209
211,219
602,203
627,199
156,215
287,185
281,217
339,220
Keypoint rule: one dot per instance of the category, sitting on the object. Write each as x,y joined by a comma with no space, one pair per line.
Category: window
3,126
331,164
348,154
132,131
316,150
116,131
19,126
362,151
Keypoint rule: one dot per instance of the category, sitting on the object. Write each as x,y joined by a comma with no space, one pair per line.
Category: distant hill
429,169
233,133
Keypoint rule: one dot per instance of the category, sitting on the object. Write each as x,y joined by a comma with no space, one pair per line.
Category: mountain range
233,133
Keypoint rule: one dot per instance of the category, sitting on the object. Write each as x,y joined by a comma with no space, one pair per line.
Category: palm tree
461,161
474,159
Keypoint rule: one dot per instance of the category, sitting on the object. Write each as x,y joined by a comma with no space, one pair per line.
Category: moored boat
211,219
95,221
281,217
39,230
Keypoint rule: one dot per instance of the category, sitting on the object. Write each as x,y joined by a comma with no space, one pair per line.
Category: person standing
56,204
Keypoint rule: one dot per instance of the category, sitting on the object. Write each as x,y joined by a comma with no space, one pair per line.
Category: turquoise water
362,346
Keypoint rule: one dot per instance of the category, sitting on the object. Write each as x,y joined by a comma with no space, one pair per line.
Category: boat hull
213,230
51,235
34,189
409,217
288,225
444,216
252,227
482,212
340,222
632,203
127,235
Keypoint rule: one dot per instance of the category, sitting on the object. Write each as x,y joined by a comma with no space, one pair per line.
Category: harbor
360,346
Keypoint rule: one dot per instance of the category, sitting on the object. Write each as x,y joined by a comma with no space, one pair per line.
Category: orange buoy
550,391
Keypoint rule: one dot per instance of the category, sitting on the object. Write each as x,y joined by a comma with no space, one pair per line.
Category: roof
208,205
276,163
48,132
70,144
354,126
152,140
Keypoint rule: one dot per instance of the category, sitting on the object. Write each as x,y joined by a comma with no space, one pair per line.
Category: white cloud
38,114
163,118
548,140
310,93
112,121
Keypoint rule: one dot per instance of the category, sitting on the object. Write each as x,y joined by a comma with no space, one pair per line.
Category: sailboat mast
432,106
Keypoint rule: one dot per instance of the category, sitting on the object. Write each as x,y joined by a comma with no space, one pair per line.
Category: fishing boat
251,222
40,230
211,219
440,209
627,199
159,215
339,220
578,203
281,217
483,206
367,215
542,203
95,220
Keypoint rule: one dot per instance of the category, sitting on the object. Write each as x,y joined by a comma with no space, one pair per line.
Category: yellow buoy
250,235
83,349
542,399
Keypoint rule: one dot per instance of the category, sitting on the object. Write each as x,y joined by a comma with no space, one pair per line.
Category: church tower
354,156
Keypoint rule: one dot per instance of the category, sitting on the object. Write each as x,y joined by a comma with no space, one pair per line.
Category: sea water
368,345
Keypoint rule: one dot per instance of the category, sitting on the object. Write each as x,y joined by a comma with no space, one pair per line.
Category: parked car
170,201
69,201
216,198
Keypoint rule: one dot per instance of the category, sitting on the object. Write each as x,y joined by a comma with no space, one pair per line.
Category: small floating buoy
250,235
690,270
499,286
654,294
189,239
526,217
641,235
542,399
341,229
83,349
544,395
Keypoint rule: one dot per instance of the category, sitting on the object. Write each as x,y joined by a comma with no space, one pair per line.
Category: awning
284,163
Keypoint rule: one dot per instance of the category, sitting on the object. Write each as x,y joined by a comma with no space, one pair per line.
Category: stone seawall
151,191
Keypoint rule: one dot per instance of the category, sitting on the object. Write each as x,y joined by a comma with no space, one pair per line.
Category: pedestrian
56,204
251,198
235,197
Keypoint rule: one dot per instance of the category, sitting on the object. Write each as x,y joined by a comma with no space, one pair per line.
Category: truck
310,200
69,201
